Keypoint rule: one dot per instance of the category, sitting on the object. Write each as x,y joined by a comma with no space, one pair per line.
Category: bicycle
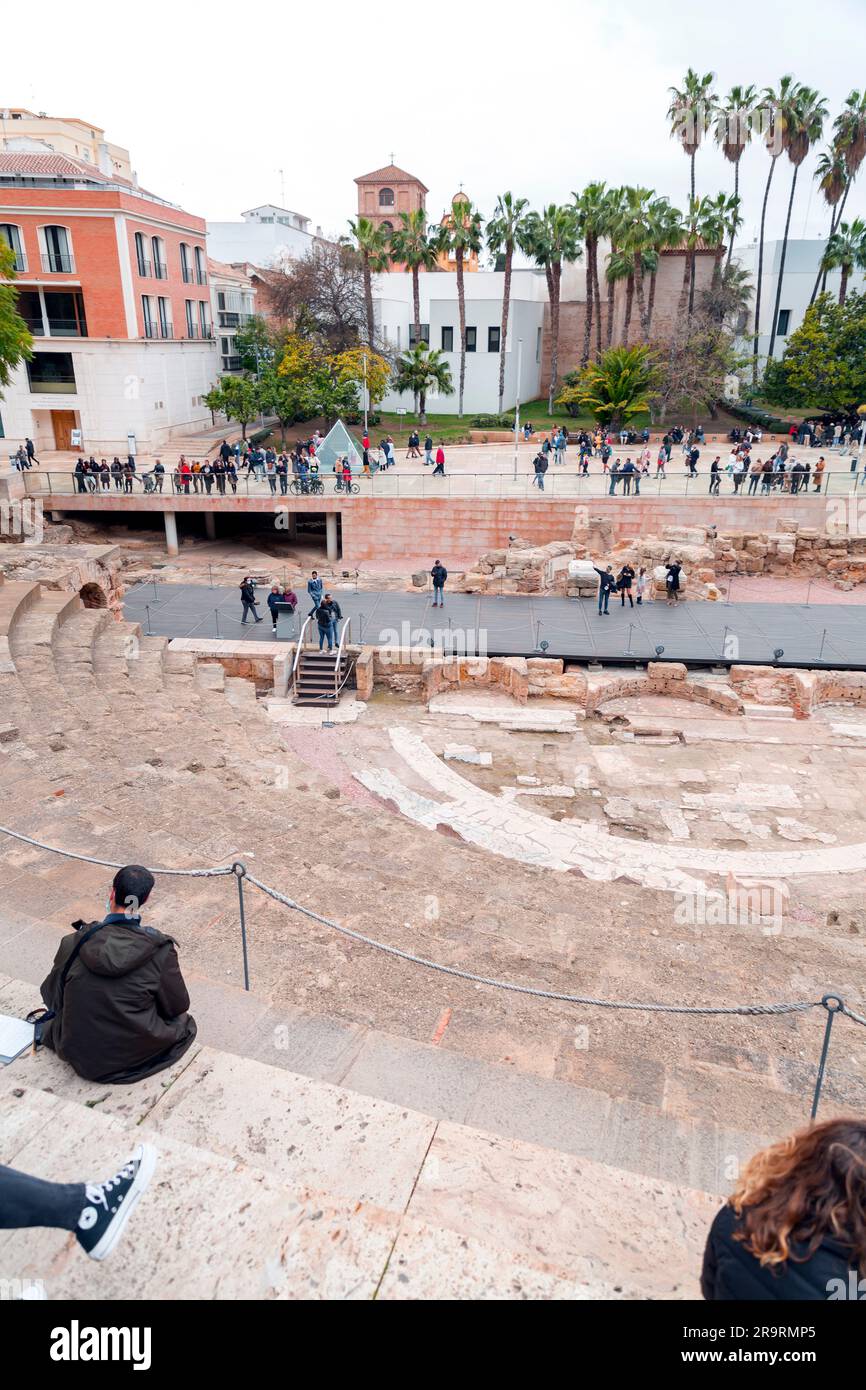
340,486
306,488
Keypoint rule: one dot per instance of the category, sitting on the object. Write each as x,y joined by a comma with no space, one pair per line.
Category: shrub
493,422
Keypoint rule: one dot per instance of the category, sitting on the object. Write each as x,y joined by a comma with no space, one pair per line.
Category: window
147,316
386,197
65,314
185,266
160,269
784,323
225,346
200,267
493,335
29,306
190,319
204,318
141,261
425,334
388,226
221,299
447,339
471,337
57,256
51,373
12,237
165,325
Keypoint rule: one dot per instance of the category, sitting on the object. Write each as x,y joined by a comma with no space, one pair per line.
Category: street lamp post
365,395
517,403
861,411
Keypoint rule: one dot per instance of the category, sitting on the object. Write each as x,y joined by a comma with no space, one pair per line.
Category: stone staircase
273,1185
316,679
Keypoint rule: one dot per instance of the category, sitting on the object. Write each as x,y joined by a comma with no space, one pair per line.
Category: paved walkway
813,635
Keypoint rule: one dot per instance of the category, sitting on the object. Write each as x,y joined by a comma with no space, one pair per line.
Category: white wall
392,295
142,387
802,260
259,243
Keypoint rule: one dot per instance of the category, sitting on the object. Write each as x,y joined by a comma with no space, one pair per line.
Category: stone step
768,711
270,1185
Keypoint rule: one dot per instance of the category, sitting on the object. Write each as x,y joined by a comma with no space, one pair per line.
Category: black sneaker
110,1204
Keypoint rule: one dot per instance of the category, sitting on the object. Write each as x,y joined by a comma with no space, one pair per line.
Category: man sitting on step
116,998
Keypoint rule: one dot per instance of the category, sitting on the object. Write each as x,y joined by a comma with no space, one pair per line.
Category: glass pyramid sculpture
338,444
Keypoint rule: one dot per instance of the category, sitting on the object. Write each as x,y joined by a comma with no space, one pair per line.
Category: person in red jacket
440,461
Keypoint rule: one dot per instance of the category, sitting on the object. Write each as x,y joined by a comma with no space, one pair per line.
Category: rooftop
390,171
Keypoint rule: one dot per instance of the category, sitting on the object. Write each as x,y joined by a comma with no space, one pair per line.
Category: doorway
63,422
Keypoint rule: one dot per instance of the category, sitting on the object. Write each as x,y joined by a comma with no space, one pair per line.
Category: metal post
517,403
147,611
239,871
216,616
210,572
728,591
628,650
725,641
365,393
823,639
808,591
156,598
833,1004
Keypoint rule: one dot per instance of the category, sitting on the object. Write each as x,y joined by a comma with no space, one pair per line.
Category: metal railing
19,261
145,268
58,263
160,270
341,678
831,1003
302,639
390,483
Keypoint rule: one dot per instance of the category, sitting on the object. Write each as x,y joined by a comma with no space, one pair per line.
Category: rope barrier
109,863
514,987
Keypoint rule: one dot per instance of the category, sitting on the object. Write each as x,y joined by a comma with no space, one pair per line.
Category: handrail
338,684
298,649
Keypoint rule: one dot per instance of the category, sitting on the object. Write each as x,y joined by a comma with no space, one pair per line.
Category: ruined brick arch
93,596
466,673
658,682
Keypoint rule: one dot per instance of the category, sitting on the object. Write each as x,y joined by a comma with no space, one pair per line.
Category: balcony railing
231,364
59,386
188,274
160,270
19,262
229,318
201,277
58,263
57,328
145,268
159,330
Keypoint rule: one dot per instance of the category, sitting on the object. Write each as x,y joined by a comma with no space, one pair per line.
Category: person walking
642,585
413,451
539,463
672,582
818,475
793,1228
628,472
31,454
274,597
624,583
715,477
606,583
756,468
439,574
315,588
428,452
614,478
225,451
248,600
440,462
158,473
739,472
561,444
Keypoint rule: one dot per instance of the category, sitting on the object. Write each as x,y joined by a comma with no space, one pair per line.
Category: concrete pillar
292,527
210,525
171,533
57,517
331,536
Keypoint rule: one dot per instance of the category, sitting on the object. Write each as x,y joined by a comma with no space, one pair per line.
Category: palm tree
734,124
610,218
773,129
371,243
621,267
413,247
705,222
850,127
831,175
634,237
689,113
619,385
505,231
804,117
846,251
552,237
592,209
420,370
461,236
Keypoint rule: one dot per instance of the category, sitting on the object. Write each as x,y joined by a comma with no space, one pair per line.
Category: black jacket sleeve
172,997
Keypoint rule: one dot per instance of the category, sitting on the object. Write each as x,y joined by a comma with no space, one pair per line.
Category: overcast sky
215,100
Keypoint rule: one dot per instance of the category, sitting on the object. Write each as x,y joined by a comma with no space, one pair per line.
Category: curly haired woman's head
808,1188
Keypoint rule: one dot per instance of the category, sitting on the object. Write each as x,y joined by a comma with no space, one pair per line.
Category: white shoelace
97,1192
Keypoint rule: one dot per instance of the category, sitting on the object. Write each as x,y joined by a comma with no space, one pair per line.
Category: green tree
413,247
804,114
371,243
831,176
846,252
505,231
255,344
734,124
16,341
236,397
553,236
461,237
823,366
282,396
689,112
620,384
420,370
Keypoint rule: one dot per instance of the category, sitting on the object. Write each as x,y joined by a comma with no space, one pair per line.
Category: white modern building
802,265
265,236
440,327
233,300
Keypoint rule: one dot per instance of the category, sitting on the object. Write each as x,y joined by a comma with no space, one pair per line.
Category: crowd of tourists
635,585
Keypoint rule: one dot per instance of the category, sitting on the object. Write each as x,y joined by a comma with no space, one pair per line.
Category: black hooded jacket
731,1272
122,1014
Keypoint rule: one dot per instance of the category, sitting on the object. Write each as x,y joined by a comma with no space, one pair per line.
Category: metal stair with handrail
319,677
